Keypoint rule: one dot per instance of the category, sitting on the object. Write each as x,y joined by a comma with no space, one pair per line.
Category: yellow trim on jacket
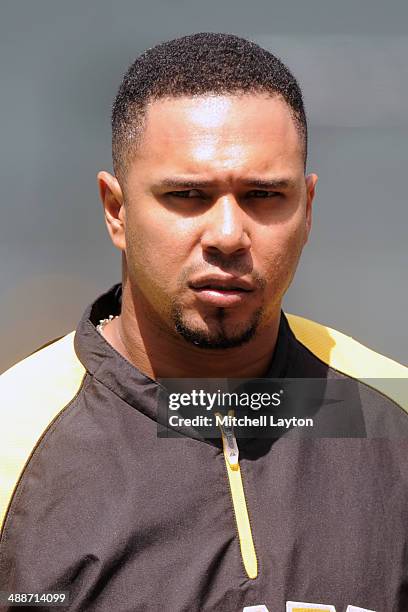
348,356
32,394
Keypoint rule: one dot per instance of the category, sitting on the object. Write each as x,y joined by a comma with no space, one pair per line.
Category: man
211,208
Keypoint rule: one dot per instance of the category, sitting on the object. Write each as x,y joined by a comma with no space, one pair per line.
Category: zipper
231,456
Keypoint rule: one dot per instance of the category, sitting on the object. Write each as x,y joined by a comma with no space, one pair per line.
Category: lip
222,283
221,291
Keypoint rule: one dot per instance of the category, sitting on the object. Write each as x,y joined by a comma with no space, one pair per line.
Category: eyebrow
264,183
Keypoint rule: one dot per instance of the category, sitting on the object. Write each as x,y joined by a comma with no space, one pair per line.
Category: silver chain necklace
103,322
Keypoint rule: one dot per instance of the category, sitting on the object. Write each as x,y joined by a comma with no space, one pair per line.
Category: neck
159,354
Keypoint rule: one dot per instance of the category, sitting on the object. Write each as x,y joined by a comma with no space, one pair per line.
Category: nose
225,229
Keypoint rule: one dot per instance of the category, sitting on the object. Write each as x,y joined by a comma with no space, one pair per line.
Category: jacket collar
134,387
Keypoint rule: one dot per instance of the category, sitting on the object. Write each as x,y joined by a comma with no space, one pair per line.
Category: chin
218,331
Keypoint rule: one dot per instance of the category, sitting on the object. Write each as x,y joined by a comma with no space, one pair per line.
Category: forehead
220,133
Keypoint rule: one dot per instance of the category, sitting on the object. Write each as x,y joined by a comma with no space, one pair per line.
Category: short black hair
198,64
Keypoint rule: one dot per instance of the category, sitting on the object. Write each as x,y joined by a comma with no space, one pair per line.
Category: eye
260,193
187,194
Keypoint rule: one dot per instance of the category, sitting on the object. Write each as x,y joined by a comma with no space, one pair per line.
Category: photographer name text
176,420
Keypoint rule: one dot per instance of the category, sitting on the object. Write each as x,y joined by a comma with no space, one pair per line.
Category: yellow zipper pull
231,456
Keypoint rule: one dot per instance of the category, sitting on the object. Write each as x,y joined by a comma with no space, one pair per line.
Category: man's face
217,211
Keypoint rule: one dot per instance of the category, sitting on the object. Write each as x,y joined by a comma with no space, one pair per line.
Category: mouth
222,283
221,288
222,292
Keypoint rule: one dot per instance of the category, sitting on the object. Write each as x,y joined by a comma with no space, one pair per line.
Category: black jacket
95,503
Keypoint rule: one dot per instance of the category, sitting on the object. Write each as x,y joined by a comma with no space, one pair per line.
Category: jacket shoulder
32,394
348,356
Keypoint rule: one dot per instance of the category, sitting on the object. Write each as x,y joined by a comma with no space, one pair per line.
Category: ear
111,196
311,181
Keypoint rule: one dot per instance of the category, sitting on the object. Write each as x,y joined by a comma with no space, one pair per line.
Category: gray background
61,63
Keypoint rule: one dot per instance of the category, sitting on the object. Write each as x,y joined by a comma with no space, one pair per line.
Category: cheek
281,255
154,250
